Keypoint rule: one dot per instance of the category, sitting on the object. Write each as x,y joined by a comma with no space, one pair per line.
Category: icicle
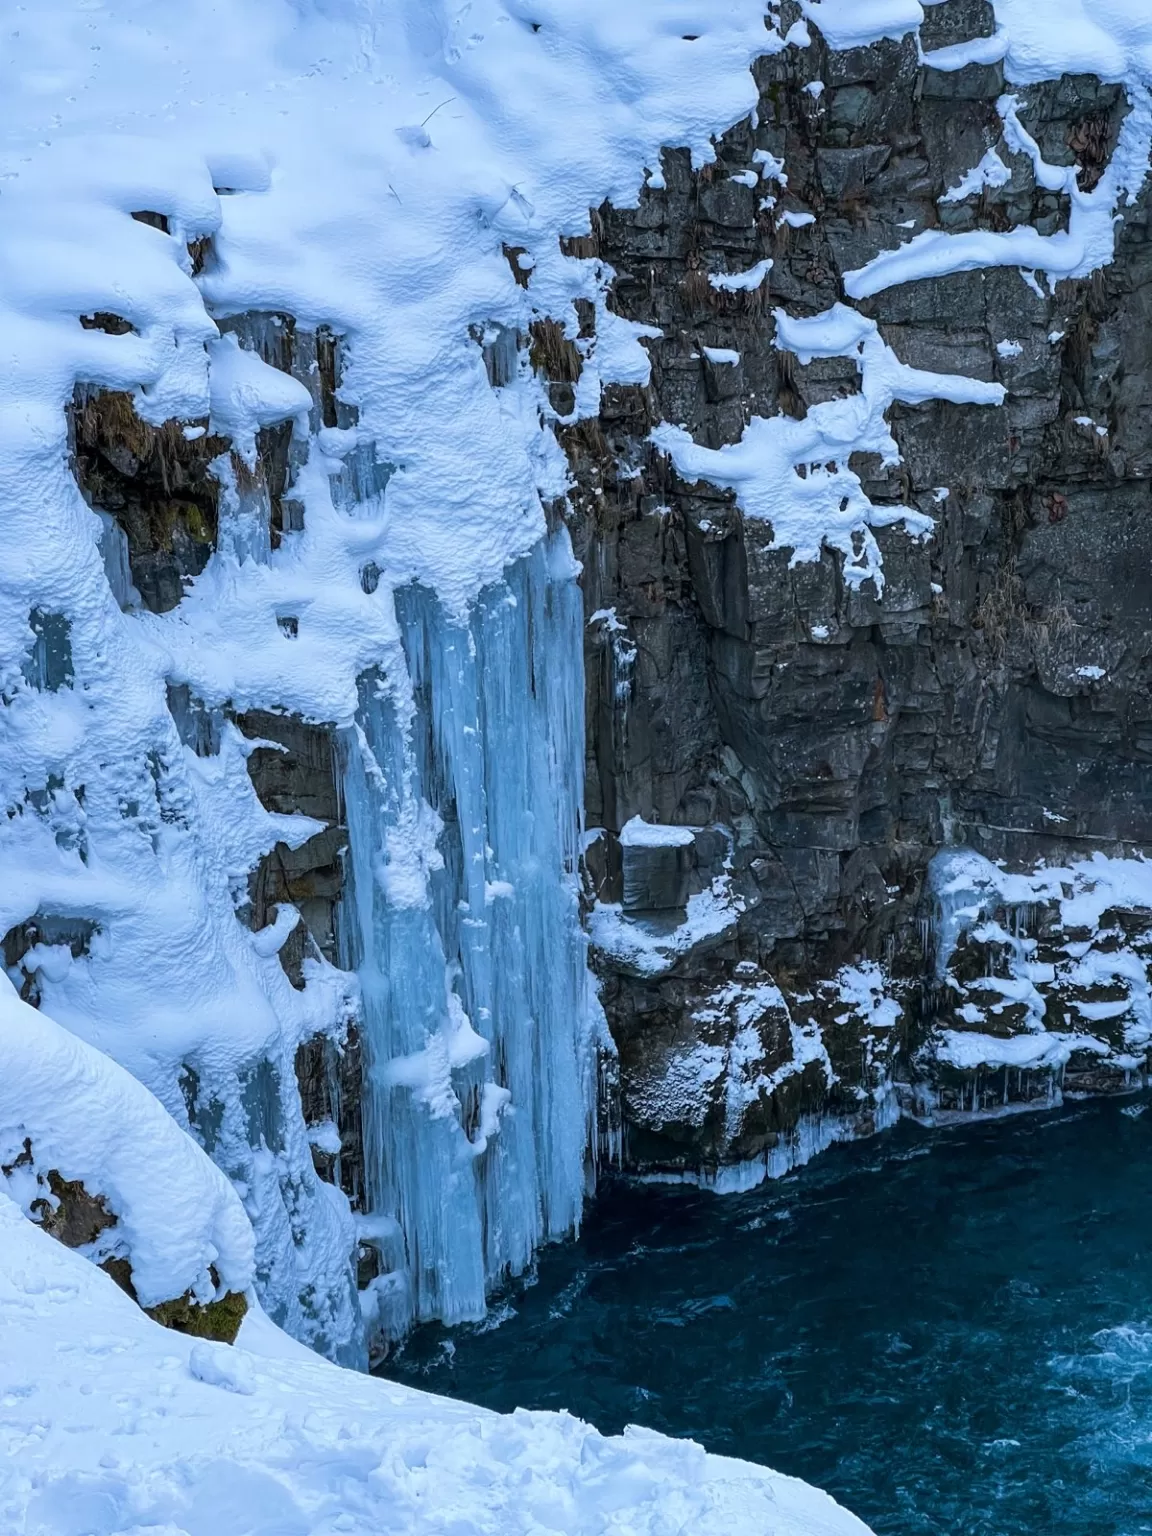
464,797
925,926
961,892
114,552
244,514
361,480
48,666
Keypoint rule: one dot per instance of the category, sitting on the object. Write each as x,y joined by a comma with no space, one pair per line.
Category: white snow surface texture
87,1119
359,164
264,1439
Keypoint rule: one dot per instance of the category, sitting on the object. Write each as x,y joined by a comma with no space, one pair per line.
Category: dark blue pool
949,1330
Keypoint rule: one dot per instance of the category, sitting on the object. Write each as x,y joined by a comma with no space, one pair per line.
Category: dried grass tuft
553,355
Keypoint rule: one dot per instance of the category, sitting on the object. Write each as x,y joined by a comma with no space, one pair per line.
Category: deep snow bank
110,1425
66,1108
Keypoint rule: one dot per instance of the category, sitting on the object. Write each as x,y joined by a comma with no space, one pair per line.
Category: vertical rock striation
963,660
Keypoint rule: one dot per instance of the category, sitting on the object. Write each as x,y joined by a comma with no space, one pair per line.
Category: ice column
464,793
962,884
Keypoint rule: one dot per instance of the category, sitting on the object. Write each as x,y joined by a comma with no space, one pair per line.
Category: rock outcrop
991,689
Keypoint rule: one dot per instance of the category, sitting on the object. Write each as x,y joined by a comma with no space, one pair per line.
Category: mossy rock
219,1320
78,1218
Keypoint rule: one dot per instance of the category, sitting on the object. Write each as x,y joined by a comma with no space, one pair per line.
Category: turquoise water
949,1330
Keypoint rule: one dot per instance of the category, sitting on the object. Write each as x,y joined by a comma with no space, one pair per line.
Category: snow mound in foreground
76,1113
113,1426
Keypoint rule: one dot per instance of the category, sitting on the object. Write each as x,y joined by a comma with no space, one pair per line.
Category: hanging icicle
464,796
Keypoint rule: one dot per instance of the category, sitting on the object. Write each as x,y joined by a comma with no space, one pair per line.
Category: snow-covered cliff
890,602
308,348
263,283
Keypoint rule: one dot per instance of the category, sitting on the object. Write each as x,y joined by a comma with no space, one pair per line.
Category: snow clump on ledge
76,1113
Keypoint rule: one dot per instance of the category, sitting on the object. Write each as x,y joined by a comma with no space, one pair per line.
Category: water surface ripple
949,1330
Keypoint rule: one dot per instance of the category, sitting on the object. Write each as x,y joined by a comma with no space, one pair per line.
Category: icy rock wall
124,899
270,358
1040,981
843,400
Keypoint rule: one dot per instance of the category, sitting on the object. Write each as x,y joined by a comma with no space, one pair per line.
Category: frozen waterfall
464,797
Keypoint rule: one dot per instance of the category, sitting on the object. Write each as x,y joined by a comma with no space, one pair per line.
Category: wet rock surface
156,483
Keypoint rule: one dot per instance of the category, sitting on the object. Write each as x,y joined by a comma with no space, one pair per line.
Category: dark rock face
298,773
156,482
995,694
